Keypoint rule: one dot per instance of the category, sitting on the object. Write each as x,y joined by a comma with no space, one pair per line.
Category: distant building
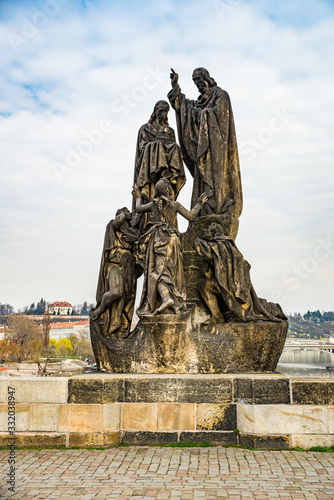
61,308
60,331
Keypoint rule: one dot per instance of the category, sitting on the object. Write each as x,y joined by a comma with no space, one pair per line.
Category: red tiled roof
61,325
60,304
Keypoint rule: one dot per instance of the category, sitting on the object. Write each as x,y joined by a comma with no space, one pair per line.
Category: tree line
26,340
41,306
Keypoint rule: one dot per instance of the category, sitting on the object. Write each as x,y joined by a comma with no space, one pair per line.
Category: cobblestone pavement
169,473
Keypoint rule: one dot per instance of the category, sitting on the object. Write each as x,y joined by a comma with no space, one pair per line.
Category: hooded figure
158,155
208,143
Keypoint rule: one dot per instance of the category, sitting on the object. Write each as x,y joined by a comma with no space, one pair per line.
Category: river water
306,363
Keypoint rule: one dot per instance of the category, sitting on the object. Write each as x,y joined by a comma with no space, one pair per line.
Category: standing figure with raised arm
208,143
159,251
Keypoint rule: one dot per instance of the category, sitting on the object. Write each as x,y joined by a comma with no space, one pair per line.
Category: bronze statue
159,250
227,289
208,143
158,155
116,288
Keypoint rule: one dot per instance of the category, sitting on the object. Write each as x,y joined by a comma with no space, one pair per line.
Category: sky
79,78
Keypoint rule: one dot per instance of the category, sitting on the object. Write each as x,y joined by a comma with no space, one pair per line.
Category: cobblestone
169,473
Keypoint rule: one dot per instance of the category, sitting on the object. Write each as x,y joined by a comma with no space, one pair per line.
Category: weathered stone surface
38,439
3,390
151,389
264,442
214,438
216,417
330,419
113,390
80,418
176,416
43,417
111,439
111,416
307,441
313,392
180,344
259,389
85,390
40,390
148,438
282,419
19,419
211,389
139,416
84,439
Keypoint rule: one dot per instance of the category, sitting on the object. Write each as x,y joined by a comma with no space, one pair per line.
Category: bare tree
22,332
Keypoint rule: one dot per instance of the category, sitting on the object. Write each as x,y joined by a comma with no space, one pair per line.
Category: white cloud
65,79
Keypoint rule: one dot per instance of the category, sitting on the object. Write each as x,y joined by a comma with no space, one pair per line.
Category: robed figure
227,289
158,155
208,143
116,289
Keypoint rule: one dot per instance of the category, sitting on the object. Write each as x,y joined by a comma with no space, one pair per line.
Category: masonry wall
261,411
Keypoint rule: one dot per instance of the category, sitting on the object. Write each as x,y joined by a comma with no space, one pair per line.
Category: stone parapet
254,410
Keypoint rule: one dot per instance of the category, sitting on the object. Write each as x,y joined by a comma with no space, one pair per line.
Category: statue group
199,312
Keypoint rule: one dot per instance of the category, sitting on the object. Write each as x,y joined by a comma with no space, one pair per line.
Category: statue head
123,210
160,112
163,188
202,79
212,231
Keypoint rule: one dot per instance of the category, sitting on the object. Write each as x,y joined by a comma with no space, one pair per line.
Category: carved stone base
182,344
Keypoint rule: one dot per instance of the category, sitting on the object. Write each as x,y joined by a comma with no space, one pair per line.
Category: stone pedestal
182,344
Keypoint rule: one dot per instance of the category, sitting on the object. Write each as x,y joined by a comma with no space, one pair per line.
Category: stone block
111,439
113,389
80,418
19,418
214,417
85,390
43,417
311,392
4,390
36,440
282,419
40,390
214,438
205,389
264,442
176,416
271,389
148,438
139,416
111,417
307,441
330,419
150,389
83,439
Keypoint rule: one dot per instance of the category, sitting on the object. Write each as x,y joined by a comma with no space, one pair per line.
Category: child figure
159,251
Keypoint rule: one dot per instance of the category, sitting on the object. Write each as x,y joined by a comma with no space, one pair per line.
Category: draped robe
209,148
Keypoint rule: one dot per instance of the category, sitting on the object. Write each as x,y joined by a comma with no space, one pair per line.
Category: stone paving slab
147,473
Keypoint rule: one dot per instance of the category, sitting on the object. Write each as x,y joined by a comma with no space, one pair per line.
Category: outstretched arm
141,207
192,214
